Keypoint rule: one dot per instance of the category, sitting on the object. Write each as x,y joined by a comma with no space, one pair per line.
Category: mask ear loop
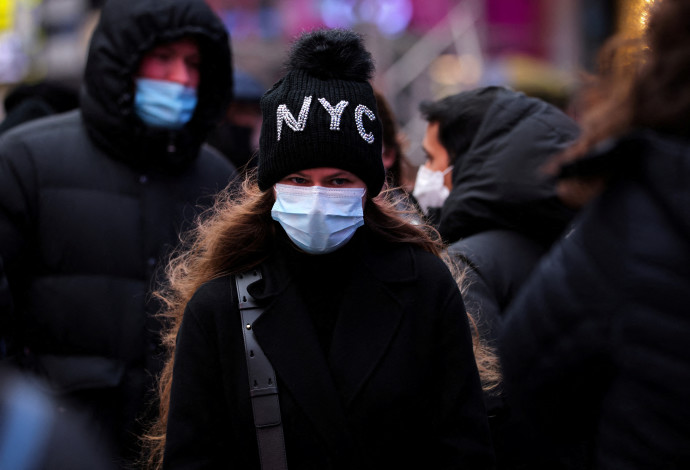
450,168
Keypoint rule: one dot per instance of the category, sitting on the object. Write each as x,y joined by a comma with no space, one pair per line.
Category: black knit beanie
323,112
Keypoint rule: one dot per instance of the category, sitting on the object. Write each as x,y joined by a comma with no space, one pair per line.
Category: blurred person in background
35,433
396,165
363,323
92,200
482,184
595,347
398,168
485,148
31,101
237,135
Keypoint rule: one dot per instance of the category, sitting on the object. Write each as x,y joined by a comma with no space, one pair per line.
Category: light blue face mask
318,220
164,104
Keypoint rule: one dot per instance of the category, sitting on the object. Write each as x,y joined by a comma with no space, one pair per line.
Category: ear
388,157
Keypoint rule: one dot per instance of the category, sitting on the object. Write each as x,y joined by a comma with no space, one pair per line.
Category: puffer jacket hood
497,183
126,31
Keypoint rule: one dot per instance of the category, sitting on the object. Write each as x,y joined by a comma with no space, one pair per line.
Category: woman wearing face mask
361,320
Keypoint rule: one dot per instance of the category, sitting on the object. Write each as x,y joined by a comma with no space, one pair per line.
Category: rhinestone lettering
336,113
298,124
361,109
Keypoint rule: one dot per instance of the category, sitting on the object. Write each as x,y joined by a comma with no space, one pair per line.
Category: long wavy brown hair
233,236
485,355
641,83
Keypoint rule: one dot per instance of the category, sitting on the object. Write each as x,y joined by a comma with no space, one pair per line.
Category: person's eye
339,181
298,180
162,54
194,64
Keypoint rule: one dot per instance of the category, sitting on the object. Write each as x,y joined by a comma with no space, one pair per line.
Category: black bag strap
263,387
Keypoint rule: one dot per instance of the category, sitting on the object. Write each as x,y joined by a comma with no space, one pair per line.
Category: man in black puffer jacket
499,211
93,199
496,208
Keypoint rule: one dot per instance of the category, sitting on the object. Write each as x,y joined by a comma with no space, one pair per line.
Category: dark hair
459,117
401,173
390,136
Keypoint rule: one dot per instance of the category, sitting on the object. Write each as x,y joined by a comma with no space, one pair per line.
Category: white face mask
318,220
429,188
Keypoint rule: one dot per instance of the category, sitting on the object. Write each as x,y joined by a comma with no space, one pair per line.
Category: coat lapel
369,317
362,334
289,340
370,314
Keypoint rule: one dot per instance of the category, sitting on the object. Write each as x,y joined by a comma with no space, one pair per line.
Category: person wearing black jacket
92,200
363,323
595,347
501,213
32,101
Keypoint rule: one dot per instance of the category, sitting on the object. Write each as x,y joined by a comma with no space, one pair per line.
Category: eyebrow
335,173
162,47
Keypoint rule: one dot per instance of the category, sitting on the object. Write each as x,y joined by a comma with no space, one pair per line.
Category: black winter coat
502,215
398,388
90,203
595,347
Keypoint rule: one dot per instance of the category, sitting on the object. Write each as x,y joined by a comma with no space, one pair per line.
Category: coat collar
325,387
387,262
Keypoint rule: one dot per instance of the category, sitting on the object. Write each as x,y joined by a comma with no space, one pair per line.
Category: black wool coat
595,347
399,388
90,203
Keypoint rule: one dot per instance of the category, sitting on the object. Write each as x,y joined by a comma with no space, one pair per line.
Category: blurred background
424,49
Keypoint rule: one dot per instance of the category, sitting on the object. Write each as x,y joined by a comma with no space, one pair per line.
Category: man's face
437,158
178,61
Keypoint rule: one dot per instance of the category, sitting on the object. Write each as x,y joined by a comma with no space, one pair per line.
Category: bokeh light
390,16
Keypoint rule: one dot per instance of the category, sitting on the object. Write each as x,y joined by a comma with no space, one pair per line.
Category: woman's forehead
325,171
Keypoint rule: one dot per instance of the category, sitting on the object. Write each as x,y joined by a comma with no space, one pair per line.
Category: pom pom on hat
332,53
322,113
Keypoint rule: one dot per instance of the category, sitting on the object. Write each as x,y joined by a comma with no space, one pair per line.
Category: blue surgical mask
164,104
318,220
